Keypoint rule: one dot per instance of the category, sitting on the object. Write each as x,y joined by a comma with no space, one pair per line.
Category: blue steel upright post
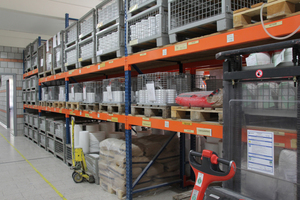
68,139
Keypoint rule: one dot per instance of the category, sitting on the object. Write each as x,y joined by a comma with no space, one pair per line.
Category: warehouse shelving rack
187,54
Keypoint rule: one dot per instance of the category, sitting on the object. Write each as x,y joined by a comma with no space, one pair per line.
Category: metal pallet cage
109,12
35,45
136,6
70,57
162,86
24,96
110,42
75,92
58,52
42,58
33,82
114,90
60,129
59,150
89,92
44,94
71,34
30,119
148,26
34,61
35,136
86,25
42,140
99,92
27,64
36,121
26,130
42,125
34,97
49,55
30,133
53,92
62,93
86,51
50,144
24,86
28,97
68,154
26,120
27,51
186,15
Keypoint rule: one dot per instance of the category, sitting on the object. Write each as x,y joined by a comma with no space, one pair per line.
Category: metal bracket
137,69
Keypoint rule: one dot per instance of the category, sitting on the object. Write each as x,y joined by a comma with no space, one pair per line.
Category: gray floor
20,181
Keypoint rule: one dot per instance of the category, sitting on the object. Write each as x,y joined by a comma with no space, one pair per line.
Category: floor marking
35,169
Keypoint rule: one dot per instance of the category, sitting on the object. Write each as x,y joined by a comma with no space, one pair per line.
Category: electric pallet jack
78,163
207,172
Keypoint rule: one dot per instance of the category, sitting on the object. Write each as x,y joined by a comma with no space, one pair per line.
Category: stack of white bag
112,162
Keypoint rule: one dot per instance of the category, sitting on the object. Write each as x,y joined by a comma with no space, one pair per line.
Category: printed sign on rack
109,93
260,151
84,92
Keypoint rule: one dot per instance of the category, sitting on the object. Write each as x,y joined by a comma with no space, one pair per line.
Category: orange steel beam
245,35
178,126
52,77
30,73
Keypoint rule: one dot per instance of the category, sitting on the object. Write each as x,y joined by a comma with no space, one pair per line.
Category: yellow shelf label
72,113
294,143
60,111
110,114
133,42
132,8
279,144
274,24
187,123
110,62
204,131
193,42
145,118
70,72
114,119
180,47
102,65
143,54
87,115
188,131
146,123
79,59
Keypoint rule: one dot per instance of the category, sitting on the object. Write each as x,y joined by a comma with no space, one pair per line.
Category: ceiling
21,22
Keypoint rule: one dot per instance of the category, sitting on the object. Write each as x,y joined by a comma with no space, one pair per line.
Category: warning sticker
195,194
199,179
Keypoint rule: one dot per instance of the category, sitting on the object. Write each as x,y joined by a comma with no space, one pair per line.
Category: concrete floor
19,180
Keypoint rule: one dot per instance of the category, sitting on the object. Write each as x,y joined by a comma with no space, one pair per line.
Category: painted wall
11,62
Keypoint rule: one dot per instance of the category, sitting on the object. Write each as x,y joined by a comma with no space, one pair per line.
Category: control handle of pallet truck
208,171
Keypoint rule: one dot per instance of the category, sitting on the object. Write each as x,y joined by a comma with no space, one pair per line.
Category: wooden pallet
197,114
183,196
112,108
272,10
59,104
151,111
89,106
48,73
42,103
111,190
72,105
49,104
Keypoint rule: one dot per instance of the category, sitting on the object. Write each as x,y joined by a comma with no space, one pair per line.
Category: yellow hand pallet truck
78,163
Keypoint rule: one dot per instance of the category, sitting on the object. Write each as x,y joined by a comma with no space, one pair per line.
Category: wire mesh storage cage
26,118
26,130
35,135
62,93
24,96
49,50
58,52
60,129
99,92
24,86
109,12
34,97
42,140
136,6
34,61
42,125
86,51
35,121
157,88
34,82
59,150
110,42
44,94
28,97
71,34
86,25
42,58
68,154
134,90
30,133
70,57
53,92
76,92
27,51
48,125
185,16
51,127
149,25
113,90
27,64
92,165
30,119
281,95
50,144
28,83
89,92
35,45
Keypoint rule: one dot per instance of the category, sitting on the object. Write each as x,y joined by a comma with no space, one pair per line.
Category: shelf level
30,73
212,129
